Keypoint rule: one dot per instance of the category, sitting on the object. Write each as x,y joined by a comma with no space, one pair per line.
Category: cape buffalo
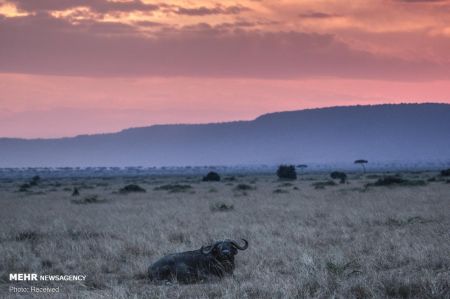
193,266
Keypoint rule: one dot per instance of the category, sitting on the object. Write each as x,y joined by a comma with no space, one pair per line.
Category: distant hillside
405,132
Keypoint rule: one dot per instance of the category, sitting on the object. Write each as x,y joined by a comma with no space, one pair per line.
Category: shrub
91,199
322,185
132,188
230,179
174,188
285,185
212,177
280,191
35,180
243,187
221,207
396,181
24,187
88,199
287,172
75,192
337,175
445,172
389,180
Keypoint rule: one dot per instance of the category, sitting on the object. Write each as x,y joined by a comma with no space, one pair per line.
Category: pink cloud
95,5
42,44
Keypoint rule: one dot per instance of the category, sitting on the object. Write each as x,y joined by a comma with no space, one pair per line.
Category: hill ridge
331,134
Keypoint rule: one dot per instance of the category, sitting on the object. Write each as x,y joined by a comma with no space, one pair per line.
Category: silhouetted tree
362,162
211,177
287,172
339,176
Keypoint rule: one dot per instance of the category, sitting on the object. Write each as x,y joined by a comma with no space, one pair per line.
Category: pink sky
80,67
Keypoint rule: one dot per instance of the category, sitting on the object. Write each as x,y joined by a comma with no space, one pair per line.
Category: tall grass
311,243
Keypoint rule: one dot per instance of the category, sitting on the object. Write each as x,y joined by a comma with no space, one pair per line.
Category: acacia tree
362,162
286,172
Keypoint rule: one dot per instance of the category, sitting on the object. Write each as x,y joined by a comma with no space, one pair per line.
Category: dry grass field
343,241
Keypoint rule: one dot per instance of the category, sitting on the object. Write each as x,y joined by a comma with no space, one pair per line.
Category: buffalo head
224,249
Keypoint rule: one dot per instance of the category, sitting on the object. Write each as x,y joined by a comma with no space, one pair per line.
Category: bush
280,191
24,187
285,185
337,175
322,185
389,180
287,172
132,188
221,207
212,177
445,172
396,181
88,199
230,179
35,180
174,188
243,187
75,192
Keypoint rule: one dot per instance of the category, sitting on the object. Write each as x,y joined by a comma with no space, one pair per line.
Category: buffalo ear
208,249
205,249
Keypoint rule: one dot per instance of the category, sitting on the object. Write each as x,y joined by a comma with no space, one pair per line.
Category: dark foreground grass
311,243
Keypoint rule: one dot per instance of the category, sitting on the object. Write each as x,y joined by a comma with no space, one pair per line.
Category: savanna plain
308,238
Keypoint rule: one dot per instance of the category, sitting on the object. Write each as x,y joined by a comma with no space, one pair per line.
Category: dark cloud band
42,44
